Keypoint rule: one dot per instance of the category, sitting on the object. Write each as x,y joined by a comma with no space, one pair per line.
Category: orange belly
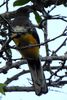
32,52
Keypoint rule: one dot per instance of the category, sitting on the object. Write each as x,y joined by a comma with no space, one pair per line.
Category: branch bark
47,3
27,89
17,64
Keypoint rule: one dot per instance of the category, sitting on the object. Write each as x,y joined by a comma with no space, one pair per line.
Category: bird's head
25,11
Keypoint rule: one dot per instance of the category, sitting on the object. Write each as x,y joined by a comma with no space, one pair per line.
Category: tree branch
47,3
15,77
18,89
17,64
27,89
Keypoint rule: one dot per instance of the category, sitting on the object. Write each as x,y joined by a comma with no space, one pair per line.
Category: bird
28,36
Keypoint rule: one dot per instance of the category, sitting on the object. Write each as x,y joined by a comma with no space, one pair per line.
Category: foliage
37,17
2,88
23,2
20,2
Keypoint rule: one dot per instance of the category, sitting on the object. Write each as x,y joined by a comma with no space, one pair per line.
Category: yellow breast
26,40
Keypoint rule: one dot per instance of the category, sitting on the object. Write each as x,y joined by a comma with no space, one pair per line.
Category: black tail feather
38,77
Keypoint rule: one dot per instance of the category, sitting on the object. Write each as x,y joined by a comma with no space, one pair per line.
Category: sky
54,28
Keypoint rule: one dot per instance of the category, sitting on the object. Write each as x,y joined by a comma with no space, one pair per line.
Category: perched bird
28,36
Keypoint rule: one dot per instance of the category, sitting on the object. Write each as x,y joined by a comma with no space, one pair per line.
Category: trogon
28,36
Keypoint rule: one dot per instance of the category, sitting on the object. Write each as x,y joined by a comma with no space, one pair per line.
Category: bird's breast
24,42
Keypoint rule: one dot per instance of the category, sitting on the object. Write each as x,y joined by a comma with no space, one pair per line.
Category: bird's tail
38,77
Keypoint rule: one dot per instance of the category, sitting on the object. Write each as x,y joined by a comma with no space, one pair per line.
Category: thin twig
15,77
4,19
53,7
59,47
7,5
4,3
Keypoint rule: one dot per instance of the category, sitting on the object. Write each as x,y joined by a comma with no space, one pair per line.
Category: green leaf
20,2
2,88
37,17
2,85
2,91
